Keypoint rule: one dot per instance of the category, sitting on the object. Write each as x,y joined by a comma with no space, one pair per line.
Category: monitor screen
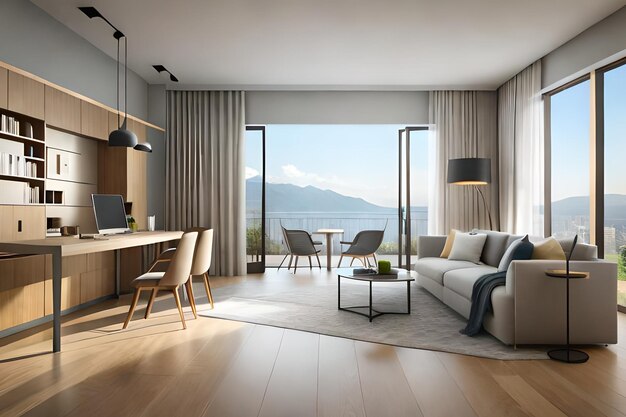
110,213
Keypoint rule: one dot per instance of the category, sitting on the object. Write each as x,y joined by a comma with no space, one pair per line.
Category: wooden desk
59,247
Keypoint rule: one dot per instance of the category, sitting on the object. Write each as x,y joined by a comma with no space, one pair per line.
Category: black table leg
371,301
408,296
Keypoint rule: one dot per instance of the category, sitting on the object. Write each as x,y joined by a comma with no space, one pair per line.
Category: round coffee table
403,276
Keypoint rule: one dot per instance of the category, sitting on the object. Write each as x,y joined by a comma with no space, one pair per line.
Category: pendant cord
125,79
117,82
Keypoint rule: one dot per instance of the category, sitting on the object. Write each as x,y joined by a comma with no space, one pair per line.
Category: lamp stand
486,206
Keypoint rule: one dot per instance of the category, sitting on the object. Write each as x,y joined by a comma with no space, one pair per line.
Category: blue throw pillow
518,250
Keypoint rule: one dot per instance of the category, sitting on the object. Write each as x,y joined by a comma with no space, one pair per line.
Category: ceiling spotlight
92,12
161,68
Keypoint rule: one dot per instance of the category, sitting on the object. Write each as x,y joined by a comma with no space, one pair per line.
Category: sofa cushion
495,245
434,268
520,249
461,281
467,247
549,248
448,246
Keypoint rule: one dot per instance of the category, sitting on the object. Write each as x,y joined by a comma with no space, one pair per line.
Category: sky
570,137
362,160
353,160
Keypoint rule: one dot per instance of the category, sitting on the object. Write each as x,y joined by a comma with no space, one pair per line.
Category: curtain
205,178
463,125
521,148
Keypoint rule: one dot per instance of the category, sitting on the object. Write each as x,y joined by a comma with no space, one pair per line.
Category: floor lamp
471,171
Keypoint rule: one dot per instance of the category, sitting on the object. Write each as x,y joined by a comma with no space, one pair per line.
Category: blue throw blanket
481,301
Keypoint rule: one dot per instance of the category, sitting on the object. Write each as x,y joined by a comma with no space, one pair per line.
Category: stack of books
14,192
17,165
9,124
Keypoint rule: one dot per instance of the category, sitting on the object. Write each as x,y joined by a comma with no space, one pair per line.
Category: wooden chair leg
290,261
340,259
310,264
296,265
151,302
375,260
192,300
133,304
319,264
180,308
352,261
282,262
207,287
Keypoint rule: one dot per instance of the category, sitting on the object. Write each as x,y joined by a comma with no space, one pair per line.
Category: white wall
32,40
599,45
340,107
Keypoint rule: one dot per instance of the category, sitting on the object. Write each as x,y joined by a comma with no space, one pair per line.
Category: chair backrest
180,267
203,252
299,242
368,240
285,238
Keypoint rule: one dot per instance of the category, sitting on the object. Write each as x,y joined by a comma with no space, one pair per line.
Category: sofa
530,308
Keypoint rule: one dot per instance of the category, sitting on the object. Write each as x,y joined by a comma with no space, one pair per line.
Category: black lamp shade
122,137
143,147
469,171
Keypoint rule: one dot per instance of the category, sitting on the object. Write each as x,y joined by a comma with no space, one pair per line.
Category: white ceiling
334,44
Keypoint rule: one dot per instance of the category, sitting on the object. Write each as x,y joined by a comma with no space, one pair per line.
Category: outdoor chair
299,243
364,245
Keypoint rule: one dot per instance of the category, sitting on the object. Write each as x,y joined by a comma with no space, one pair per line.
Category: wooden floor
225,368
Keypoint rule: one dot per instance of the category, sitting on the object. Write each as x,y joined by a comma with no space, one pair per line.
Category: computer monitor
110,213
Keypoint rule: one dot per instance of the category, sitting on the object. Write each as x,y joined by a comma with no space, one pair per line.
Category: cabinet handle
19,225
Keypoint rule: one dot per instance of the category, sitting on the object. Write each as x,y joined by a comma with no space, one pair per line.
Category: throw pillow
467,247
518,250
549,248
448,246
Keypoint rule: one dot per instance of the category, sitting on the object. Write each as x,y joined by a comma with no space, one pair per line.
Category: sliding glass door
414,152
255,198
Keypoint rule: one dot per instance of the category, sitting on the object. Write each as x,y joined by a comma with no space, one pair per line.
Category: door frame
407,186
259,267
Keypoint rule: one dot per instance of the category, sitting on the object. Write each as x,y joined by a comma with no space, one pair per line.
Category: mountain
292,198
614,206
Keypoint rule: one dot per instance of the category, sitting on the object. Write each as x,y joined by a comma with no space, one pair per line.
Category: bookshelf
22,159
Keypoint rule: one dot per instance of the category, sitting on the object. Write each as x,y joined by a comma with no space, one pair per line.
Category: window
614,180
570,161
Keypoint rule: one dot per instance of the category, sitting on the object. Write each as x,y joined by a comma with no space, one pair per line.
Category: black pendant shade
123,137
143,147
469,171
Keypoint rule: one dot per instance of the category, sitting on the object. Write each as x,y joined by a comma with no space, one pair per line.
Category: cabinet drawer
29,222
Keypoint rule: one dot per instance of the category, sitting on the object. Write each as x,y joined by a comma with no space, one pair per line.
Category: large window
570,164
614,180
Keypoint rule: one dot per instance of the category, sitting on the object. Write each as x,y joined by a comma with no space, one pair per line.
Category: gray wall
156,160
341,107
599,45
34,41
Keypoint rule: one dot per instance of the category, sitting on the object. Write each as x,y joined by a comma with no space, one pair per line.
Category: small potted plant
132,224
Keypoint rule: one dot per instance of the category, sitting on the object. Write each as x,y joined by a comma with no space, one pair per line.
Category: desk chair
200,266
177,274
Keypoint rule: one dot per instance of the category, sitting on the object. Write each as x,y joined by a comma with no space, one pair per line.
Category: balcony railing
275,248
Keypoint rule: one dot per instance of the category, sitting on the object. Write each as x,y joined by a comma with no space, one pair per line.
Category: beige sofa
530,308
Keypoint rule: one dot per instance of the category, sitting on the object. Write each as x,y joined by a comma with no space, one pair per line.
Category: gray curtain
464,125
521,146
205,171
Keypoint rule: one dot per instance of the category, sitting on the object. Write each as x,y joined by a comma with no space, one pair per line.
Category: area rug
313,308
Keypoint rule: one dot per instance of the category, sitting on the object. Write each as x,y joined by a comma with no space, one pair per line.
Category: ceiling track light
161,68
121,136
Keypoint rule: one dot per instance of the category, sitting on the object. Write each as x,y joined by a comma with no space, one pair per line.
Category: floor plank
292,389
386,391
482,391
436,392
240,393
339,387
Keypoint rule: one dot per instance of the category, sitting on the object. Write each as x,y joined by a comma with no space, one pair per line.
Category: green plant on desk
132,224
